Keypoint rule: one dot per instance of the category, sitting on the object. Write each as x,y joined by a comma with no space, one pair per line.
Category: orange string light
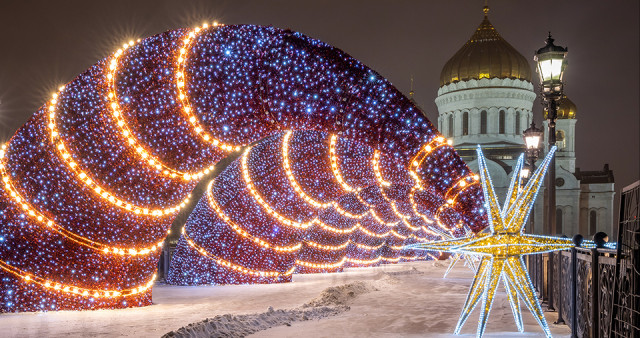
144,155
42,219
181,80
87,179
233,266
242,232
71,289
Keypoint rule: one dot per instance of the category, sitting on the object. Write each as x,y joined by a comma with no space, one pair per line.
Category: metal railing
578,272
596,291
626,296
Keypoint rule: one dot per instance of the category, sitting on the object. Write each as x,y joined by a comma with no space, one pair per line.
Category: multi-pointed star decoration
471,261
501,250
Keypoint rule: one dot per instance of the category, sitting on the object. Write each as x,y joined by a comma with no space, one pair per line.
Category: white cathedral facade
486,98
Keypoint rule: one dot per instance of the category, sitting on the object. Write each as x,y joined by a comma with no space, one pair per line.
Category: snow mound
332,301
232,326
412,271
441,264
341,295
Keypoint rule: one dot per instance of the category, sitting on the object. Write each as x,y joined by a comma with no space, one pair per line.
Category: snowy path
413,304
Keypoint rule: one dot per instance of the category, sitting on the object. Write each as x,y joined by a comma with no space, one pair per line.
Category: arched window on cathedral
559,220
451,125
501,122
518,131
483,122
465,123
593,221
560,140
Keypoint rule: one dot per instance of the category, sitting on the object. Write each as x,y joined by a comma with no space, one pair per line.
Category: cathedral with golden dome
486,98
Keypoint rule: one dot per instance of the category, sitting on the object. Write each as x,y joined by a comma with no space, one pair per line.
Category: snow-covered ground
407,299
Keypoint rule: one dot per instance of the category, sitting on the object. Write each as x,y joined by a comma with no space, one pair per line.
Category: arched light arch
93,180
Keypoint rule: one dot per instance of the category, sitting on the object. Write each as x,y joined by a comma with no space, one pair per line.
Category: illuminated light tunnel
302,202
94,179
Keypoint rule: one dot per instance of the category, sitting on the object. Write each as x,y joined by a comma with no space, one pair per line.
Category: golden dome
485,55
566,109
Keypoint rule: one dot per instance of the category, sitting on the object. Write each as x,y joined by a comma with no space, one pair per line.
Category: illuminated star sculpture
501,249
471,261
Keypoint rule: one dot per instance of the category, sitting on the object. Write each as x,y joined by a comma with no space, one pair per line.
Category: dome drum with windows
485,95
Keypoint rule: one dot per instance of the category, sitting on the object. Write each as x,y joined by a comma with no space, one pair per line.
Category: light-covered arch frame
94,179
308,201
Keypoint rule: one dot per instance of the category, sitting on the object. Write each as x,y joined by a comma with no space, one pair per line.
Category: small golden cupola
566,109
485,55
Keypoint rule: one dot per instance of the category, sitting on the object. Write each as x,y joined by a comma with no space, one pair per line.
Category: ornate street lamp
551,63
532,140
525,172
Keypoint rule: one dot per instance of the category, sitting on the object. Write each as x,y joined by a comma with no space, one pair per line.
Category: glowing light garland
72,289
86,178
181,80
382,183
292,179
53,226
334,166
88,201
344,251
502,249
254,192
128,135
242,232
233,266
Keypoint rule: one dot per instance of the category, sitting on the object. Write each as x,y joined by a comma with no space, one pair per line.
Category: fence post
550,282
534,267
574,279
595,292
541,277
533,271
561,308
577,241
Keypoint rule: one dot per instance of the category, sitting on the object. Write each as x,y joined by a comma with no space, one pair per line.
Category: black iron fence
596,291
578,272
626,296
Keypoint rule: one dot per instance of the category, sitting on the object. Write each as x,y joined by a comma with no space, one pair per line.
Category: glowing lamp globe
532,136
551,63
524,173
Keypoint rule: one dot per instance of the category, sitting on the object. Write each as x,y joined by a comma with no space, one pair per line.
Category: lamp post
524,174
532,140
532,137
551,63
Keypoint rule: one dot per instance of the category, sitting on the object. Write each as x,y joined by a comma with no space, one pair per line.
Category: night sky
47,43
